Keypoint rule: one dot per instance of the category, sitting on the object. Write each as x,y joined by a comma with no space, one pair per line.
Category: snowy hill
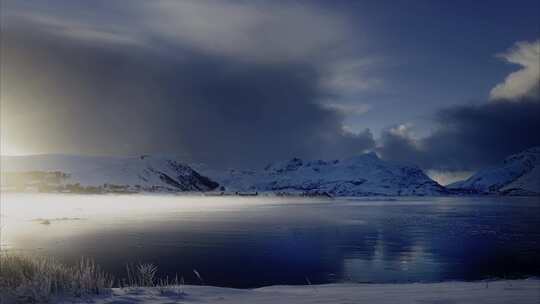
101,174
363,175
519,174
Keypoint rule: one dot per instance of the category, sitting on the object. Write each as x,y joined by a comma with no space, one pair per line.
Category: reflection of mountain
519,174
99,174
358,176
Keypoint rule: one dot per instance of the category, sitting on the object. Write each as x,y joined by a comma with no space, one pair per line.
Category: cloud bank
228,83
524,82
469,137
225,83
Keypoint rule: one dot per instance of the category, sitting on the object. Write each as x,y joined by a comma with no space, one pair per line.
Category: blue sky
436,53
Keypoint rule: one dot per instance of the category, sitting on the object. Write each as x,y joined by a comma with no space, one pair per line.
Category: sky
449,86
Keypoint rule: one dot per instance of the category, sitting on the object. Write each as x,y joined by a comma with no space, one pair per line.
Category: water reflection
254,242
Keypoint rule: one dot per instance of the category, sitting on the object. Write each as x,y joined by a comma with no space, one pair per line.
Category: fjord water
251,242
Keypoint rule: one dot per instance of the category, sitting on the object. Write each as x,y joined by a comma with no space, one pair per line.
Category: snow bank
516,292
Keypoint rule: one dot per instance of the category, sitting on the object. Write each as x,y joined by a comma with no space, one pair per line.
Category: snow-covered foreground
515,291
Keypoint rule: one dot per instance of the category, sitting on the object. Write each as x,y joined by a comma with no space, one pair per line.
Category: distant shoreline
269,194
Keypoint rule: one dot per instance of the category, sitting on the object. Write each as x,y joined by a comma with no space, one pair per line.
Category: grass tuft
38,279
33,279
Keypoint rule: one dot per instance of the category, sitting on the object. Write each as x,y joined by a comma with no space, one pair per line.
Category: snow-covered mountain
358,176
519,174
116,174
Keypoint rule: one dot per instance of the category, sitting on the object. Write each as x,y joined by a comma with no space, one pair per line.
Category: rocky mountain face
100,174
363,175
519,174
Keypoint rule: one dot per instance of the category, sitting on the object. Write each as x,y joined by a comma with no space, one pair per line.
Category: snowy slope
144,172
519,174
358,176
496,292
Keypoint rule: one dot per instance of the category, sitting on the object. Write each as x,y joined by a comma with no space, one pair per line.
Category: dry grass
144,275
141,275
37,279
33,279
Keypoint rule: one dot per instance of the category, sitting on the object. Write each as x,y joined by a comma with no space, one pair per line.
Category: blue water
280,241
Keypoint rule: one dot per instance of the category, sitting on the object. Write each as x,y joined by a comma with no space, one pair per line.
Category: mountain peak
362,175
519,174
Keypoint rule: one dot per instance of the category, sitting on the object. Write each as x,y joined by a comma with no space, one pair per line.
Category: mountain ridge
102,174
519,174
362,175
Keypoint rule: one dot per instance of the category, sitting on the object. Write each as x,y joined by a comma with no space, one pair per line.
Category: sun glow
7,148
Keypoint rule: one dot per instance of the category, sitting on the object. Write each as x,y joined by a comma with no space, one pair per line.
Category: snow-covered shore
509,291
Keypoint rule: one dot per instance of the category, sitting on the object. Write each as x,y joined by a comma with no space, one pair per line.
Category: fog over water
249,242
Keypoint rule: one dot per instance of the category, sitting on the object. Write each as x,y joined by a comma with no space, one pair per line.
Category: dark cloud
262,81
469,137
72,96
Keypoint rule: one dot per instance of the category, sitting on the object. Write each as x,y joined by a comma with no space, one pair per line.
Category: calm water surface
250,242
